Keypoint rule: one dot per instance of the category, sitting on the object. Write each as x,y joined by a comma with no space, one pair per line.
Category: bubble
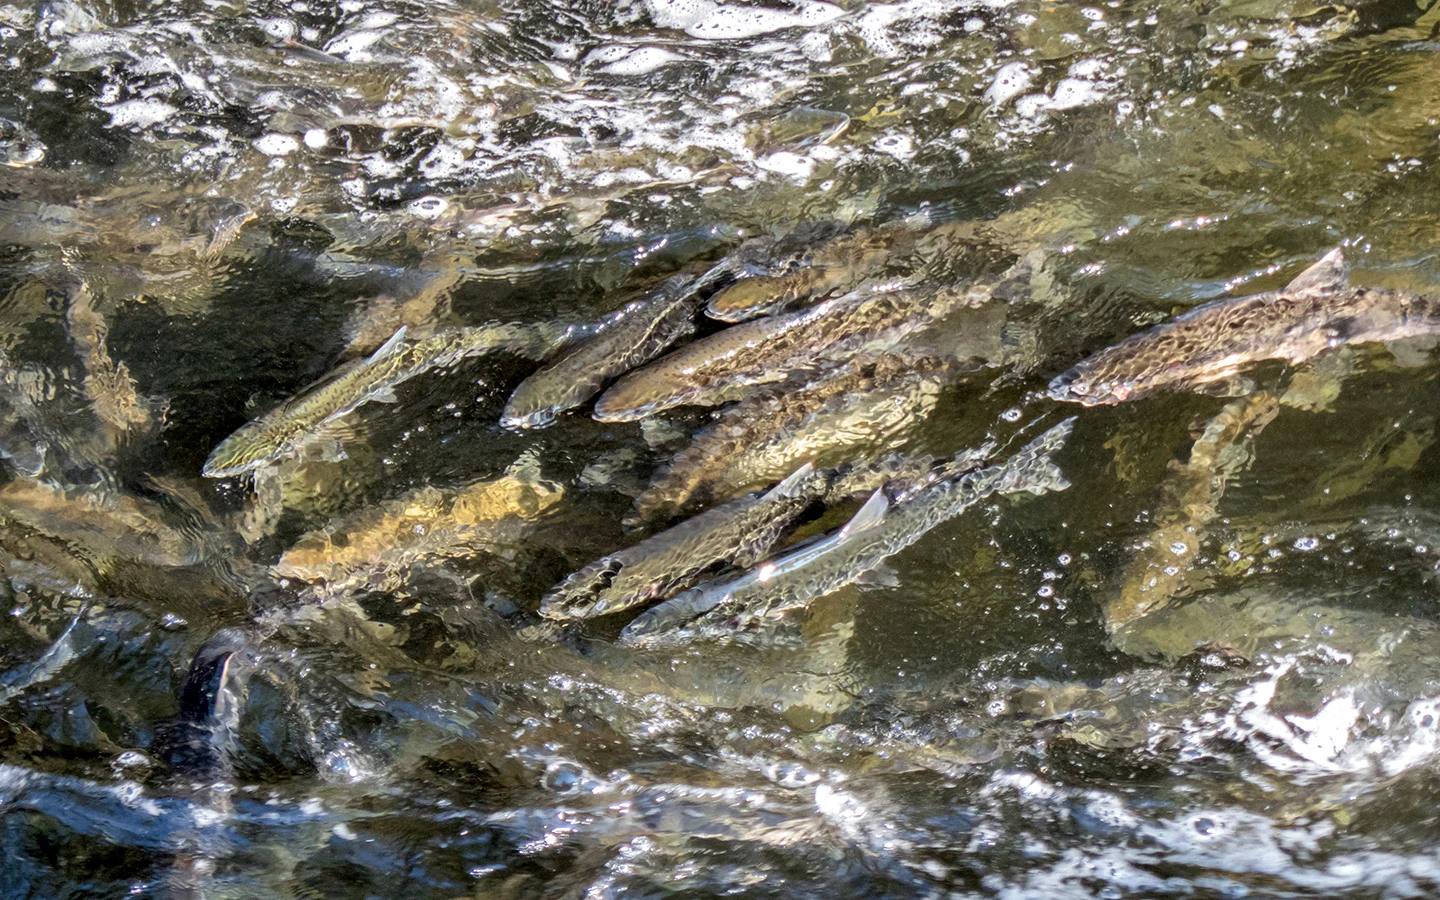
1306,543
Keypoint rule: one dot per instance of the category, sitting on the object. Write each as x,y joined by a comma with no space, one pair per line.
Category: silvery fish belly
879,530
1213,342
873,320
738,533
859,410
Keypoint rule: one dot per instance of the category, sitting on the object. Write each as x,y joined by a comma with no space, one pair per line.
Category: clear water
248,192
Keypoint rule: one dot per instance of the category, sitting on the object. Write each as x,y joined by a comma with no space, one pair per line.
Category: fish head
639,394
239,453
746,299
1084,386
526,410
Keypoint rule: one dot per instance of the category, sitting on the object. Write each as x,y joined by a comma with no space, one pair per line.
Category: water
247,193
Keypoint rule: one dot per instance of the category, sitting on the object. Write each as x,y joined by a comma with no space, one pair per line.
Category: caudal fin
1032,469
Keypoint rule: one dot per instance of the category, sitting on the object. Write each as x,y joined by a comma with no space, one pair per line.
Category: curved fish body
740,532
877,531
1216,341
725,365
867,406
283,430
839,263
1164,566
637,334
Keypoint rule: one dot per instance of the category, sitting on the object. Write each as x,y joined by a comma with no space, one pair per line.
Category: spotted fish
869,405
879,530
283,430
841,263
640,332
726,365
740,532
1216,341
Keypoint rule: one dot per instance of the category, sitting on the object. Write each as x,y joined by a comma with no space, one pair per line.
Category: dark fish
867,405
283,430
740,532
639,333
872,320
840,263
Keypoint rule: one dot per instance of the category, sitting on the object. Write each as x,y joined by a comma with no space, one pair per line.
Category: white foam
276,144
139,113
1073,92
792,165
642,61
353,44
713,21
1011,81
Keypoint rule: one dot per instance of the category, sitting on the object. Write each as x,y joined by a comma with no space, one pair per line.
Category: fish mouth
521,419
1063,387
219,467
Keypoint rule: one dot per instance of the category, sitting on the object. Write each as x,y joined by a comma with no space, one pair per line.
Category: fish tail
1032,469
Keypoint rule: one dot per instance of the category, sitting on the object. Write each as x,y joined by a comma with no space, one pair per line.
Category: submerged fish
284,429
875,320
877,531
868,404
840,263
740,532
1214,342
1164,566
640,332
424,524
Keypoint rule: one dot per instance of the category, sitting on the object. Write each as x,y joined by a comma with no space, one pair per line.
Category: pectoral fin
397,340
881,576
787,488
1327,275
870,515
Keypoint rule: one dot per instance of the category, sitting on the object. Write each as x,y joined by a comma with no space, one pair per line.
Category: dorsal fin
1325,275
397,340
792,481
870,515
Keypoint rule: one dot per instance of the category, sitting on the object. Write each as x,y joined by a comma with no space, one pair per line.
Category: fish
875,319
426,523
1214,342
870,403
740,532
857,551
106,526
1163,568
640,332
283,430
839,263
107,384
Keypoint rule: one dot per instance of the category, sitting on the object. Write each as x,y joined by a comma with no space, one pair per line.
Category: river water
206,205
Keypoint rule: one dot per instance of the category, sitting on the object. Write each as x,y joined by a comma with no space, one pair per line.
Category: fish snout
1074,387
1069,387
